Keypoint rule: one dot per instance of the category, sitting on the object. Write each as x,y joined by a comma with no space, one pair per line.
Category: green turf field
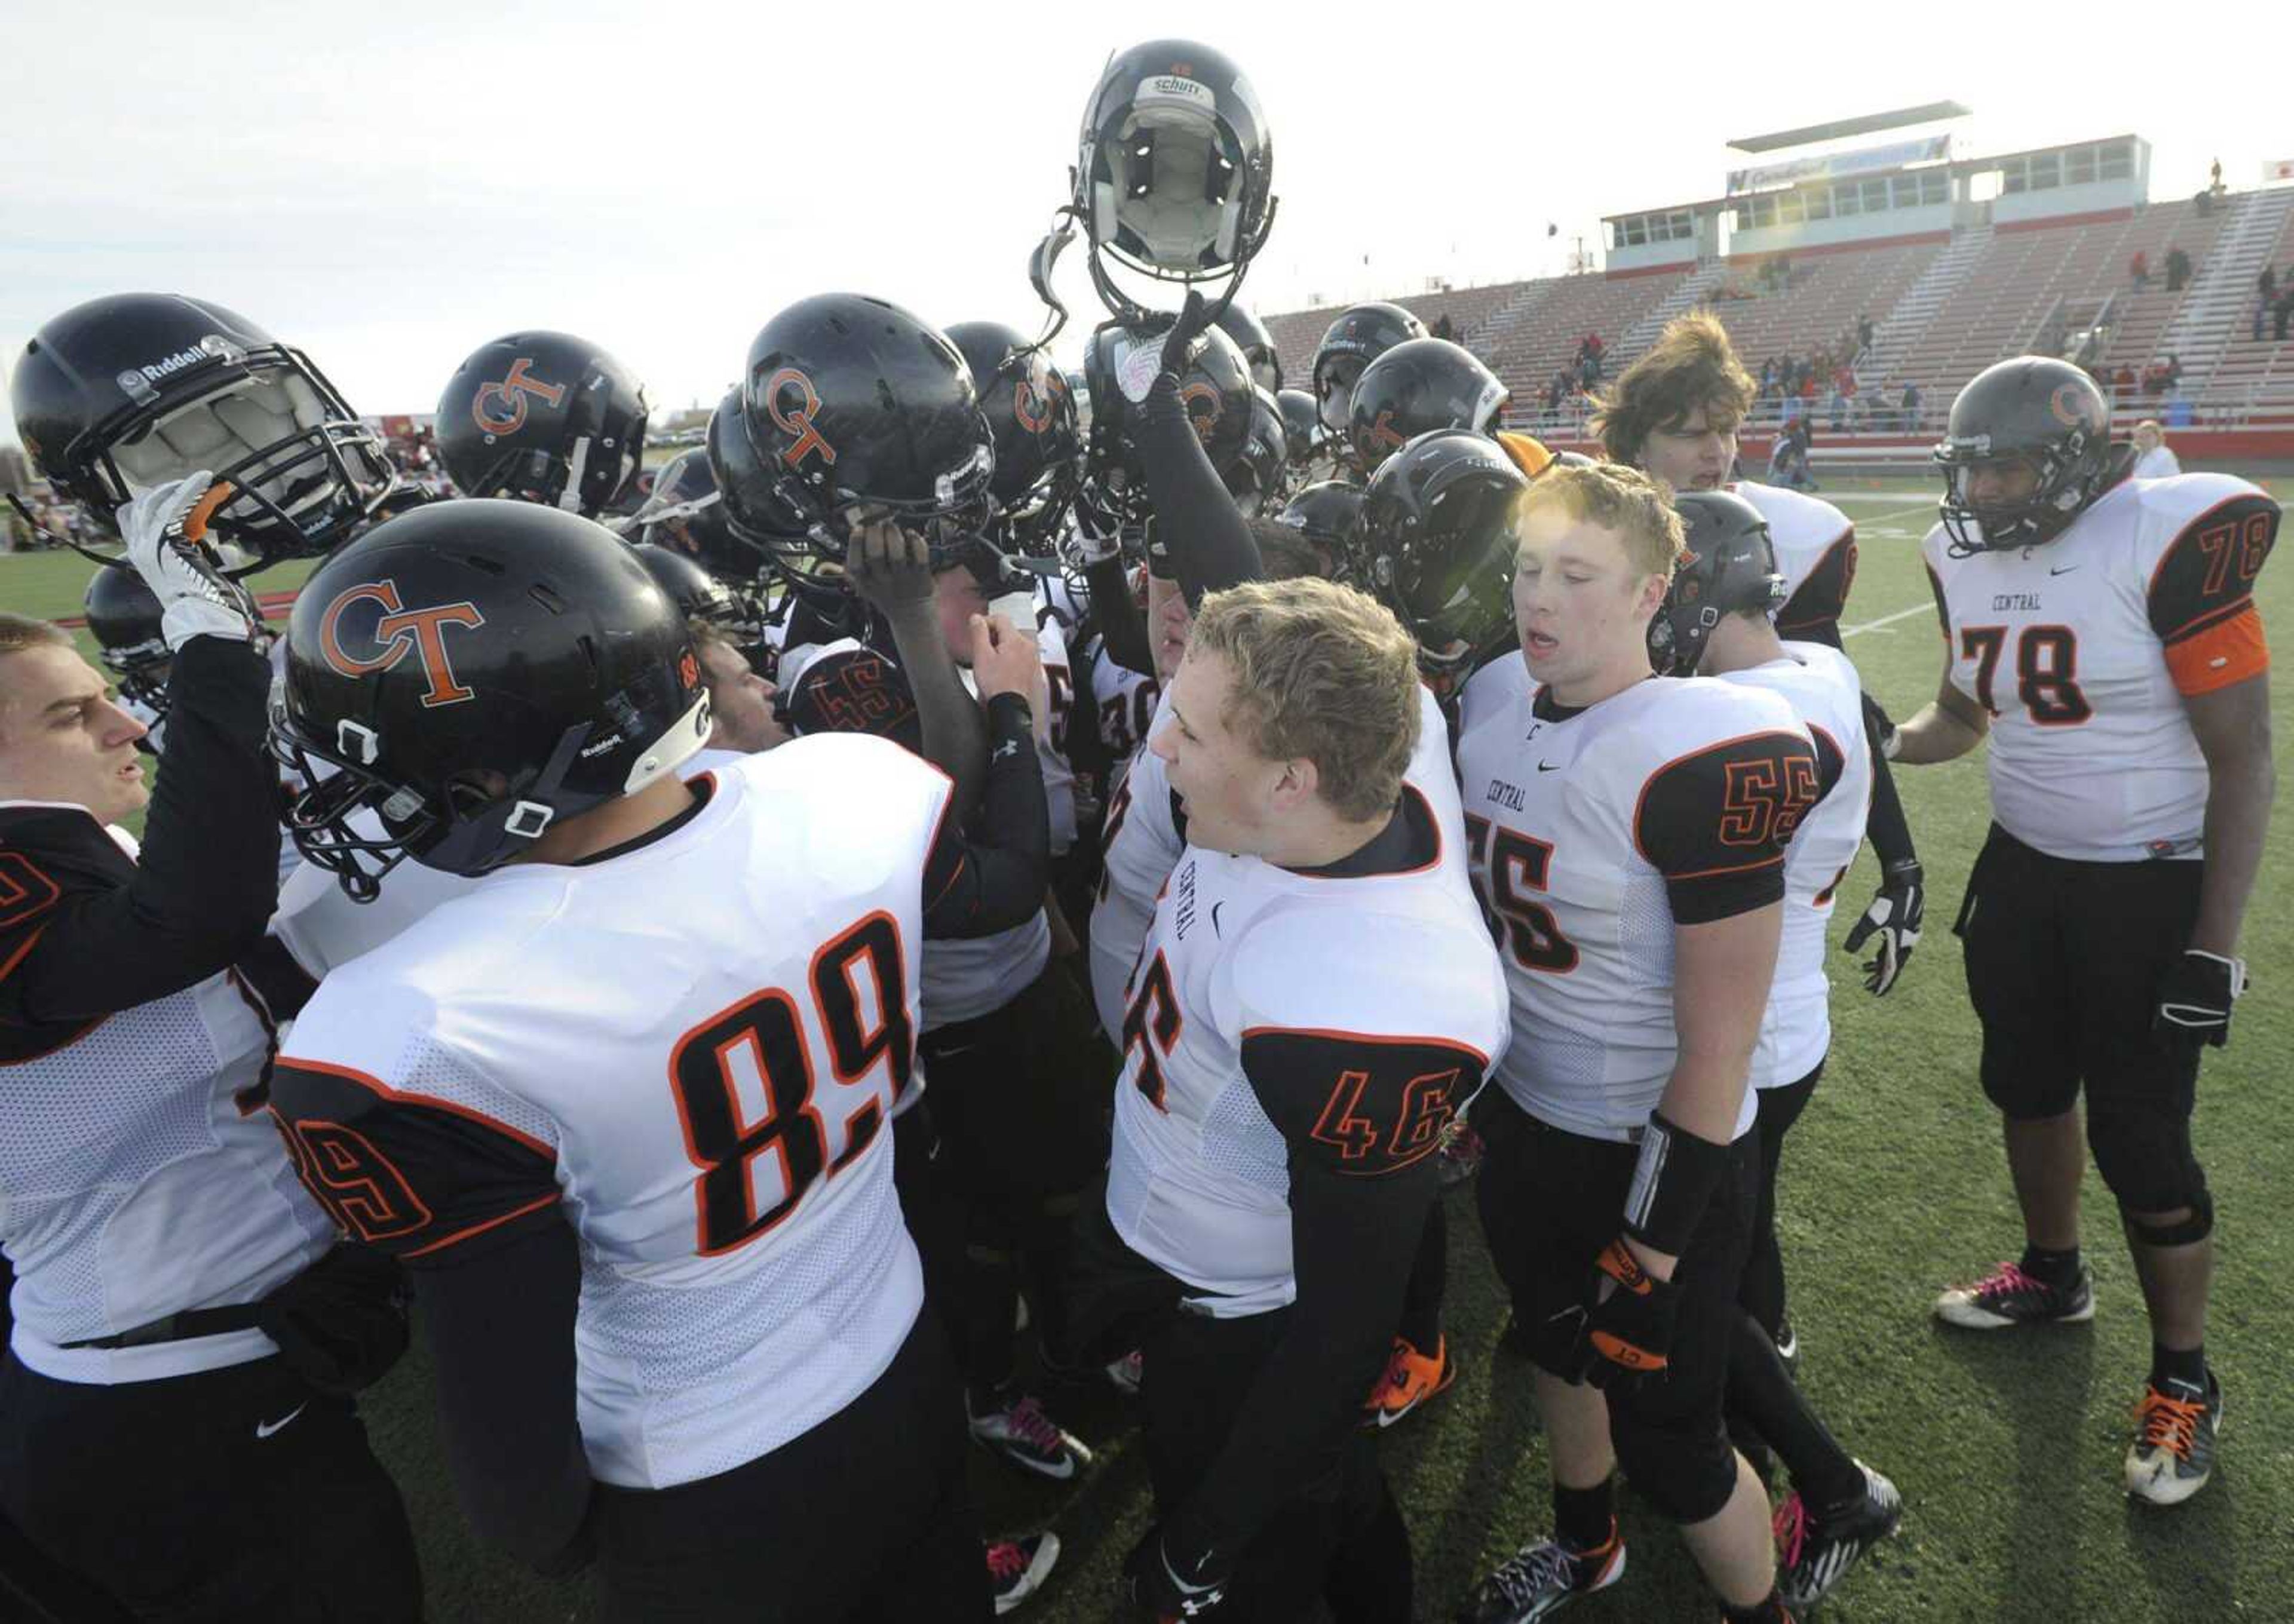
2007,1450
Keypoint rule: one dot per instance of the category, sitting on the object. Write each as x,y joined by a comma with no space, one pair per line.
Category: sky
388,188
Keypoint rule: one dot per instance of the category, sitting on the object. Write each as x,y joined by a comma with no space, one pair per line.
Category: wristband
1011,714
1672,1184
1891,742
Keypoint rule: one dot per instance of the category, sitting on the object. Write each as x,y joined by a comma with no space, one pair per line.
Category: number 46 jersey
2083,650
1593,832
688,1052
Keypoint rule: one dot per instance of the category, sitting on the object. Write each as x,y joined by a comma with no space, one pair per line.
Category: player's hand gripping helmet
2027,448
1437,547
124,393
1418,385
1729,566
1031,419
543,417
1359,337
122,617
464,677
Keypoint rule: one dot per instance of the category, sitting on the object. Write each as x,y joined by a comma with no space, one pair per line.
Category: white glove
164,544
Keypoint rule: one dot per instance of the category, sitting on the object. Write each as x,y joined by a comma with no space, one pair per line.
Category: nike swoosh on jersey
1549,767
2063,569
264,1429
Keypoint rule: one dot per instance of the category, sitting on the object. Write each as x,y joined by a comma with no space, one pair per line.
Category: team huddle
949,893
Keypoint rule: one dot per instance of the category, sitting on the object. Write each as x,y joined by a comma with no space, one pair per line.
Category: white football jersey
139,1176
1593,832
2082,649
1816,553
690,1052
1124,702
1240,950
1821,685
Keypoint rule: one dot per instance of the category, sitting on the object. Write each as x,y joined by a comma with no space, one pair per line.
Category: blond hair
1321,671
1691,365
1630,504
19,632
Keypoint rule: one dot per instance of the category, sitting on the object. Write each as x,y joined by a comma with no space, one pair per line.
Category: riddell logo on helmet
138,381
499,409
397,631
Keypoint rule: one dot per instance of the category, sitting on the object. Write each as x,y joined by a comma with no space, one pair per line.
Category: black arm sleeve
1122,629
994,878
208,879
1209,539
1885,826
1362,1117
499,1327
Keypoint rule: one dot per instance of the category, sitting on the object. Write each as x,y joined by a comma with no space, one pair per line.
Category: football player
1418,385
1715,623
1360,336
1315,995
1674,413
544,417
501,681
2100,631
1628,836
163,1430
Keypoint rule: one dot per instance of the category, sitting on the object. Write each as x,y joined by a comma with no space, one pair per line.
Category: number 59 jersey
690,1053
2083,650
1593,832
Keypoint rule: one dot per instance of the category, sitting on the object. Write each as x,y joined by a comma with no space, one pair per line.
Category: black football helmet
1031,419
1729,566
1438,545
2048,416
685,512
851,402
1176,174
1301,426
1260,475
125,393
1256,343
544,417
1418,385
1121,363
468,674
122,617
701,595
1329,516
1359,337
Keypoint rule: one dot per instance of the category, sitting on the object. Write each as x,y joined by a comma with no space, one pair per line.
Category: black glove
342,1323
1167,1593
1179,343
2195,997
1894,917
1627,1334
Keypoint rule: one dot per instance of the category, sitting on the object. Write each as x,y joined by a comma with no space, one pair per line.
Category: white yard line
1887,619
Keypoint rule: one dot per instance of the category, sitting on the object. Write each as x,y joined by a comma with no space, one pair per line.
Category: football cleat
2007,1297
1018,1568
2175,1431
1813,1553
1019,1431
1540,1578
1460,1159
1411,1379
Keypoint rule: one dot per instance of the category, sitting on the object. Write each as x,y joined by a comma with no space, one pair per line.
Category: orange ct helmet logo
797,418
2072,408
1383,431
499,409
397,632
1205,396
1031,404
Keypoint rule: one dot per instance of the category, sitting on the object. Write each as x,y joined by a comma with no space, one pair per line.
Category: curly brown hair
1692,365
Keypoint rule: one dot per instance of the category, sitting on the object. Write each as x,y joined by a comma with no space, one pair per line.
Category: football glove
2195,999
1099,525
1894,918
1152,1583
1627,1334
164,529
1179,343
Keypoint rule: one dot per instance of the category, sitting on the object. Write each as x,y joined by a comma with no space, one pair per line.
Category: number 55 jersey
2083,648
1594,832
689,1053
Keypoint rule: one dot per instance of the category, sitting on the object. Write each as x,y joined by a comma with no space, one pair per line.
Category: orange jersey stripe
2222,655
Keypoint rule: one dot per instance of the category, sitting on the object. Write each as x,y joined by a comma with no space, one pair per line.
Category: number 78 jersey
2084,649
1595,832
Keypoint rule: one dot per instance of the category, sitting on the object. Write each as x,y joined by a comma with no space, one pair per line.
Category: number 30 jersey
689,1053
2082,650
1593,832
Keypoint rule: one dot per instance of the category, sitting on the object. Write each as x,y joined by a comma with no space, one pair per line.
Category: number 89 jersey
1593,832
2083,650
690,1053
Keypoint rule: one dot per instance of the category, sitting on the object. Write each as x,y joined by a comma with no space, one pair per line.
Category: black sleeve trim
1715,822
2207,575
1816,608
1706,898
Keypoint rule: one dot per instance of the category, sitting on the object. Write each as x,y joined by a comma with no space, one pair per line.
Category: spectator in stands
2178,269
2123,380
2139,269
1442,329
1911,406
2174,376
1844,397
2152,460
1863,335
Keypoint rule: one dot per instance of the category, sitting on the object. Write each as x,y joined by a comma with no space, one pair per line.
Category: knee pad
1685,1468
2145,1160
2188,1232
